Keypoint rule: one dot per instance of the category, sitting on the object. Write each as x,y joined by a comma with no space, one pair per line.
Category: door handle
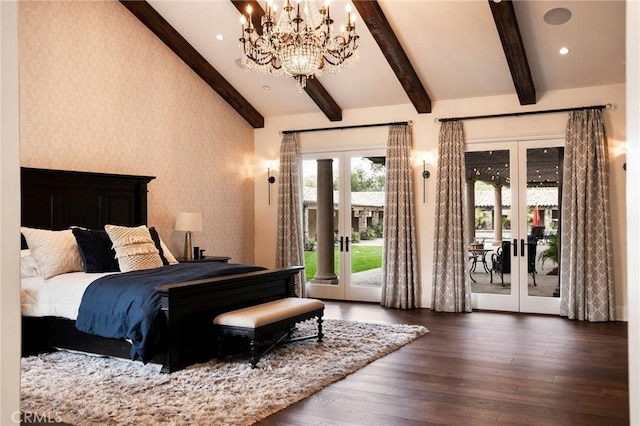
347,244
515,247
522,247
341,243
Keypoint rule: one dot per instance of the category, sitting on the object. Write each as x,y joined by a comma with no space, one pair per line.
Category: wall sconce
188,222
425,175
271,180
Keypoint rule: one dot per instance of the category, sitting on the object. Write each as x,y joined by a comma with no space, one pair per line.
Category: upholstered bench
276,319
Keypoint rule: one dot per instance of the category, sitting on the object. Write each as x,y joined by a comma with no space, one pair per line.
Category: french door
343,215
513,198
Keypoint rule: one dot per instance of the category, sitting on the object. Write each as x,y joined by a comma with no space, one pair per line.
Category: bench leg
255,356
290,331
320,335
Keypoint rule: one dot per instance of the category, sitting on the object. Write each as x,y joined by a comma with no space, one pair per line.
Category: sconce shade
188,221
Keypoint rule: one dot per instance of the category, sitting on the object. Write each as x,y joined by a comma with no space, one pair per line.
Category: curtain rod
517,114
357,126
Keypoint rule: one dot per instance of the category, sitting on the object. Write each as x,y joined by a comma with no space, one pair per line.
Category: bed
56,200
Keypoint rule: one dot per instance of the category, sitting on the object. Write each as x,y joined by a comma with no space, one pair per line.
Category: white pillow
55,252
28,265
135,249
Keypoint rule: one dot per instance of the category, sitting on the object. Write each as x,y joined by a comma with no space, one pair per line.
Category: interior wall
425,142
9,219
633,201
99,92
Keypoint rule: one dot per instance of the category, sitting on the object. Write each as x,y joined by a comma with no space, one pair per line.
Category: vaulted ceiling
411,51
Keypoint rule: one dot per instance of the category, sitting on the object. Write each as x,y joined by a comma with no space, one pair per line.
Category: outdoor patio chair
501,261
537,233
532,247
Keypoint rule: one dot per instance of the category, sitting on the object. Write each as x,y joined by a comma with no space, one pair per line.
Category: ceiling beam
323,99
174,41
505,18
314,88
383,34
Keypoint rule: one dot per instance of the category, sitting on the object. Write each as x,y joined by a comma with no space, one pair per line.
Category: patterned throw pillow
134,247
55,252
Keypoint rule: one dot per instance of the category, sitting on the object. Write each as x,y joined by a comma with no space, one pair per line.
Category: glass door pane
489,195
367,176
343,211
542,221
540,203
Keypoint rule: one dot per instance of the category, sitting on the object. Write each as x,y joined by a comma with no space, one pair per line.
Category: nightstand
222,259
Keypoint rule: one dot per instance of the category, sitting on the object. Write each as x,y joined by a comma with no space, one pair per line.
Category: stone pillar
497,216
471,210
325,269
362,221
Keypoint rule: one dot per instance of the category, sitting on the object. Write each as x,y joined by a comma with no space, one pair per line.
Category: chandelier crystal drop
298,41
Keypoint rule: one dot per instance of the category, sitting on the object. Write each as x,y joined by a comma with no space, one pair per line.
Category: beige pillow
55,252
134,247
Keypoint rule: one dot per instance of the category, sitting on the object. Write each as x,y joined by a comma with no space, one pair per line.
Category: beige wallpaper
99,92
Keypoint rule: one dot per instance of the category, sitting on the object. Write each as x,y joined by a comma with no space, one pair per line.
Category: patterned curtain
400,287
289,240
451,288
586,277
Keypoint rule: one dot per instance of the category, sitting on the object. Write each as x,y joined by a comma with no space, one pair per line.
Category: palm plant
551,252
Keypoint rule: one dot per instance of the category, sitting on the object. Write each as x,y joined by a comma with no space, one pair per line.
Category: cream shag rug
88,390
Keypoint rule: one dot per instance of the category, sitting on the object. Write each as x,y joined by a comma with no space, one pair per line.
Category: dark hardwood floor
479,368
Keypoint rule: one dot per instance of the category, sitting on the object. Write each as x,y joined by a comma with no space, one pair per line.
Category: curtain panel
289,238
400,285
451,286
586,273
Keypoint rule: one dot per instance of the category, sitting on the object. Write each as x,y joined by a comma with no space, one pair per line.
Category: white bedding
57,296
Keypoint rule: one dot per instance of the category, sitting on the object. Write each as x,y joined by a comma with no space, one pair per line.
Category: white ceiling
453,46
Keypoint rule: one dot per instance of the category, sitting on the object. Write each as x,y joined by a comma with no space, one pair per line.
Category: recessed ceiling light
564,50
557,16
219,37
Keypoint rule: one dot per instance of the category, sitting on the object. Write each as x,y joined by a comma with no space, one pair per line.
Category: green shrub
378,230
310,244
368,234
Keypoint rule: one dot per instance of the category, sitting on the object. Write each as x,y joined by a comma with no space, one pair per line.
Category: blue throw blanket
127,306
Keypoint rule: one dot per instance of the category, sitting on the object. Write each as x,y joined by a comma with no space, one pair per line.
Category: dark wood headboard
57,199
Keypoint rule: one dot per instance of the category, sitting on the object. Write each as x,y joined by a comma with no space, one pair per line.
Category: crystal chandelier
298,41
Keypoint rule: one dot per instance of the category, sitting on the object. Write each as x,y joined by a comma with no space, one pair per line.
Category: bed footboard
190,308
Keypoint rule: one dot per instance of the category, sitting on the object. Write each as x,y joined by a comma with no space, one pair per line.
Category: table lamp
188,222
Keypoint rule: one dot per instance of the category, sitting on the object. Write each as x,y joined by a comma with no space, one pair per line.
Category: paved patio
547,285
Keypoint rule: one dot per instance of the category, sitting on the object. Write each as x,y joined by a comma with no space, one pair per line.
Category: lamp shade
189,221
